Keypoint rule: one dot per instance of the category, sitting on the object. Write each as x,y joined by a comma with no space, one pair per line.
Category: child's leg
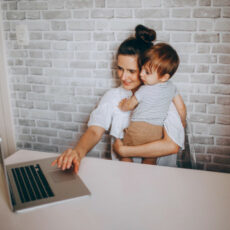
126,159
140,133
149,161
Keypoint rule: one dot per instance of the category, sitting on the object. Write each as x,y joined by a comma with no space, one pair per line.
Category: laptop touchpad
62,176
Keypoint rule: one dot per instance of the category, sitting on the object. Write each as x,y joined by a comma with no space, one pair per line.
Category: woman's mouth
127,83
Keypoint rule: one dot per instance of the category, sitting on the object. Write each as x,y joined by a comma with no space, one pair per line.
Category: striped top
154,101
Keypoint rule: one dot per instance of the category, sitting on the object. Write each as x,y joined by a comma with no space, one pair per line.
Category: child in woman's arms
151,101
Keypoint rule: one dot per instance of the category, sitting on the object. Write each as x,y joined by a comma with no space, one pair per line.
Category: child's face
149,77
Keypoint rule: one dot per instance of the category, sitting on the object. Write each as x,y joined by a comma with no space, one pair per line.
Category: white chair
187,158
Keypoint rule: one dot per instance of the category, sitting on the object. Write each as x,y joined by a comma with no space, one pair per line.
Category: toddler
151,101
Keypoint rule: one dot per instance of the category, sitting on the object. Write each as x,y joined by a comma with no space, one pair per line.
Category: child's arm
128,104
181,108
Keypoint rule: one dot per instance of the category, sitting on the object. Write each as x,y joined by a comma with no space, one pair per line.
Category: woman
107,116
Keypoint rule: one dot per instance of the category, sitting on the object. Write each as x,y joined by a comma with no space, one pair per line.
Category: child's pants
140,132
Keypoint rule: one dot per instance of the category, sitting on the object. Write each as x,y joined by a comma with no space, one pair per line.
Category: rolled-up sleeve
102,114
174,127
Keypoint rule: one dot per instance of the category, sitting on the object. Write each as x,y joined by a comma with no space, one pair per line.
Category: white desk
128,196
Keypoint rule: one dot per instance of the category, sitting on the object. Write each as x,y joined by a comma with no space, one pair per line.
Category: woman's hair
162,58
138,44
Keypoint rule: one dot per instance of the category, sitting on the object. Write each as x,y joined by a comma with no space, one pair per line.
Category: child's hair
162,58
138,44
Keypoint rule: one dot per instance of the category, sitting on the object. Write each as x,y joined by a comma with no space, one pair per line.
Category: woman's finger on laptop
54,162
76,162
58,161
69,161
61,159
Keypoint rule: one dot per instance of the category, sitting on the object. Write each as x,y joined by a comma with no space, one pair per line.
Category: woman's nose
124,75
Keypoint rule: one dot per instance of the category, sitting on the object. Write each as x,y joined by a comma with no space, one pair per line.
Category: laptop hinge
13,200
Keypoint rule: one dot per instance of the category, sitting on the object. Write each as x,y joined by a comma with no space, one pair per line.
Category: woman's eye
132,71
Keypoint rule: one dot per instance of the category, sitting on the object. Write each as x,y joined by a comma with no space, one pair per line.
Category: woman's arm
181,108
159,148
99,121
73,156
89,139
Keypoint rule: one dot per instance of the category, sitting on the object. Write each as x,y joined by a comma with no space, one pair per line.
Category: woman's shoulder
110,94
116,94
118,90
112,91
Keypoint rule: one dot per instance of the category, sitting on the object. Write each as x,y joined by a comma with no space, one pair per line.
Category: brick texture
59,77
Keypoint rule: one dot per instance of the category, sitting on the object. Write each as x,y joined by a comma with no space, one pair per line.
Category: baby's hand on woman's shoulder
124,104
128,104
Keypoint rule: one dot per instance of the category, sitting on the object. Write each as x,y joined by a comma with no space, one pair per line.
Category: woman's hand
118,147
68,158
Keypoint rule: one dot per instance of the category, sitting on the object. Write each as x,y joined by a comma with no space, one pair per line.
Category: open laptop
36,183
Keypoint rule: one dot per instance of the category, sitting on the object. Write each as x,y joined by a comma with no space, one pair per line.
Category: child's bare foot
149,161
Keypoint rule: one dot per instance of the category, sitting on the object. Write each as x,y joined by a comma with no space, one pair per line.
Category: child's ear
165,77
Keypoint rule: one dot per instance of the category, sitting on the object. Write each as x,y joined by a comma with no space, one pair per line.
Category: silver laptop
36,183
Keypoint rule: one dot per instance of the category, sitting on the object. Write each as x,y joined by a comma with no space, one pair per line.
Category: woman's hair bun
145,34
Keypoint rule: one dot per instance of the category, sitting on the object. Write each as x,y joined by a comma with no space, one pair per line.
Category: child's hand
128,104
124,105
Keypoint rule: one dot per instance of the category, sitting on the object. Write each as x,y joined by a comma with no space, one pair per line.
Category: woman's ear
165,77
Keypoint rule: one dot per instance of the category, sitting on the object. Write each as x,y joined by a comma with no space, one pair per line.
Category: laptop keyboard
31,183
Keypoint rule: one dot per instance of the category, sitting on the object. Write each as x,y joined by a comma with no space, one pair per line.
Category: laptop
36,183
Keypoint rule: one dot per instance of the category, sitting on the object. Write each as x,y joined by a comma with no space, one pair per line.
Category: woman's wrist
77,152
123,151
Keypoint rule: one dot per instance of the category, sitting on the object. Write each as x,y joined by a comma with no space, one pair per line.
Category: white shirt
108,116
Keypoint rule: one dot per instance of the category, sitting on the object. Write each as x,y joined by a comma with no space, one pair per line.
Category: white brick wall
59,77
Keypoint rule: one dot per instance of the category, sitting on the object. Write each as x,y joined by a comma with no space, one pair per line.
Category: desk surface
130,196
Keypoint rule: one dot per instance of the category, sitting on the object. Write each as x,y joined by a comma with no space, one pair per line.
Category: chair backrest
186,158
191,143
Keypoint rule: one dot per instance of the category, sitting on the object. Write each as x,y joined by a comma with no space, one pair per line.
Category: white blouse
108,116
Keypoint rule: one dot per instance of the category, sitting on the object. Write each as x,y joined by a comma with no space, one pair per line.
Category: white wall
7,136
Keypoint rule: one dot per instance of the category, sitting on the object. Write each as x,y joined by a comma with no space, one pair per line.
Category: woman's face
128,71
